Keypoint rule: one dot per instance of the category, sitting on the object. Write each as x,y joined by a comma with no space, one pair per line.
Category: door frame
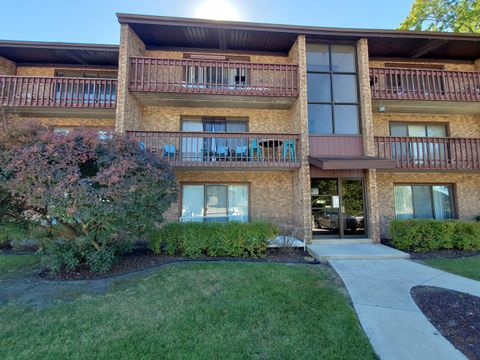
341,234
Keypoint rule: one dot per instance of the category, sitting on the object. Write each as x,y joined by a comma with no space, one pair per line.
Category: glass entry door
338,207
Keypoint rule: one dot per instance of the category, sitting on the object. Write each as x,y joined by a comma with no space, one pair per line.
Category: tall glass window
423,201
332,89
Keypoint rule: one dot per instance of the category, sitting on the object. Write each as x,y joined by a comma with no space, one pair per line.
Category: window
215,202
423,201
416,149
207,148
332,89
102,133
91,91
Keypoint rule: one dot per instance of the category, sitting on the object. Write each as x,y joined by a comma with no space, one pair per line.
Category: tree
98,195
444,15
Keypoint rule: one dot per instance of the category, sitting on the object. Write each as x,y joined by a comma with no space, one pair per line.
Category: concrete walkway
396,327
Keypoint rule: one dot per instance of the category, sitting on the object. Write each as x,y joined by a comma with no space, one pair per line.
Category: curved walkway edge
396,327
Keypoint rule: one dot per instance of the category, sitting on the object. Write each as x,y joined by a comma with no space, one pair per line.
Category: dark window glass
318,86
423,201
344,88
343,58
346,119
318,58
320,119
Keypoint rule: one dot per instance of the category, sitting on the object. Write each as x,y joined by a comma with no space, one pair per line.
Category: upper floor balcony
58,95
217,83
430,153
426,90
232,150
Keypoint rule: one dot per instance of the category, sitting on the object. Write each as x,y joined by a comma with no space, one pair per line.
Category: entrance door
338,207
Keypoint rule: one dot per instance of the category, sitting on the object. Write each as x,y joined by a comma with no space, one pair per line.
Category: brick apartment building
336,131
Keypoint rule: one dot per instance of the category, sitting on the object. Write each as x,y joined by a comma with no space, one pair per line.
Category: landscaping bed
455,314
144,259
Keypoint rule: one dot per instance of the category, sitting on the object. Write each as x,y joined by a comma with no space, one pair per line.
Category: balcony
40,95
223,149
430,153
190,82
424,90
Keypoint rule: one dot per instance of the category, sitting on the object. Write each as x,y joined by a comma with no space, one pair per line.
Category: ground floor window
423,201
215,202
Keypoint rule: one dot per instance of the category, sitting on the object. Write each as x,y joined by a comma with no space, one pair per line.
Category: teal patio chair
255,148
288,147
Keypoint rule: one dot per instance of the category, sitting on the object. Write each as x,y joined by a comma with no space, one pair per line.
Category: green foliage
214,239
12,231
444,15
422,235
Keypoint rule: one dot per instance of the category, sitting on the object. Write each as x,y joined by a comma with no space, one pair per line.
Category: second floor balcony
35,94
430,153
223,149
425,90
213,82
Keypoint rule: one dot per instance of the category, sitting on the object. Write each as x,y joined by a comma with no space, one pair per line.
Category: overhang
176,32
355,162
33,52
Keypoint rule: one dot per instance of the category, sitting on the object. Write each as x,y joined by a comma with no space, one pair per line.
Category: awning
355,162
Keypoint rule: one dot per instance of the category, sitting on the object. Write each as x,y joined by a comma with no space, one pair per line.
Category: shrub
11,232
99,194
214,239
422,235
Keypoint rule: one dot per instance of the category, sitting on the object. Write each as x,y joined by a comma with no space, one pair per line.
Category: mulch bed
455,314
144,259
437,254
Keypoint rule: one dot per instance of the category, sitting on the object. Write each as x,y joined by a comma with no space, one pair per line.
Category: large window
332,89
423,201
215,202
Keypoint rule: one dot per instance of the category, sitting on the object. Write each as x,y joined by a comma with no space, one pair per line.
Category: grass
464,266
195,311
16,265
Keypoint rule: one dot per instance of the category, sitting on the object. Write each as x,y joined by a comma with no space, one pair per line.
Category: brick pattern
271,193
7,67
466,192
467,126
73,122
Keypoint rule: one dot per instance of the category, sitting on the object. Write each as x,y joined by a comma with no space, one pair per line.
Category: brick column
299,117
129,108
368,137
7,67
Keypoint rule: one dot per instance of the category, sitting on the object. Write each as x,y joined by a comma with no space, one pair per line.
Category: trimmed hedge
194,239
422,235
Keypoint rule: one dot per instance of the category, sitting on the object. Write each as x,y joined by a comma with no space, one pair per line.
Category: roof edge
58,45
125,18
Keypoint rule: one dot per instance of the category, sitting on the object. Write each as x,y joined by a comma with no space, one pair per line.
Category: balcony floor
428,107
217,101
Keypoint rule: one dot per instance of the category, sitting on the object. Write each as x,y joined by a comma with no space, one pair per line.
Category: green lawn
195,311
12,265
465,266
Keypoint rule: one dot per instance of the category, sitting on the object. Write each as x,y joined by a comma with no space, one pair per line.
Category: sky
94,21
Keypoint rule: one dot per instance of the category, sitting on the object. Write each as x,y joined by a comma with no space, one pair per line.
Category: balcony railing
57,92
423,84
213,77
223,149
430,153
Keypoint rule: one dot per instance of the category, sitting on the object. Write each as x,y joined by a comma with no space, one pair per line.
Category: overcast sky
94,21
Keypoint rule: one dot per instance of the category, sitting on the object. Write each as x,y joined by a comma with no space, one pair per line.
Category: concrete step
327,252
342,241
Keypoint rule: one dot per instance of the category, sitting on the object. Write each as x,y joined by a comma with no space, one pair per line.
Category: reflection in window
215,202
332,89
423,201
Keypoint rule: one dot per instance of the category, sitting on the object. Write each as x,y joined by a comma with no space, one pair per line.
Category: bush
11,232
422,235
233,239
99,194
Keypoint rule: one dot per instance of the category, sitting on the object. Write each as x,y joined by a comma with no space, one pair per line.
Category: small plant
11,232
214,239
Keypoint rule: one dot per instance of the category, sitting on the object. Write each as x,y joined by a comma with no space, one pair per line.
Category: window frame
180,195
332,103
453,197
425,123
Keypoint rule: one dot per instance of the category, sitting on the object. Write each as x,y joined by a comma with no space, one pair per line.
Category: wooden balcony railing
212,77
430,153
423,84
57,92
223,149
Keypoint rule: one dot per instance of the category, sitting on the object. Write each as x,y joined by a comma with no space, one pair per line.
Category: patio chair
288,147
169,151
255,149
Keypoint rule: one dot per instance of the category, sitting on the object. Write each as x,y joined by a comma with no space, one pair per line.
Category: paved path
396,327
